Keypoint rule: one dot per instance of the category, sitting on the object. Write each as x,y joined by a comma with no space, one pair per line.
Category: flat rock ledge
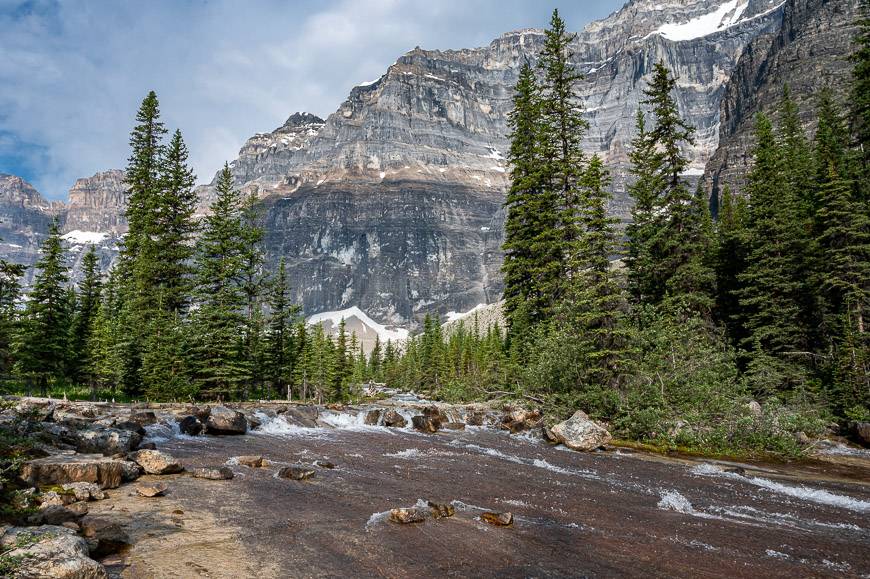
105,472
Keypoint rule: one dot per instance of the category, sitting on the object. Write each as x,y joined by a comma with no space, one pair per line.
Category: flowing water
600,514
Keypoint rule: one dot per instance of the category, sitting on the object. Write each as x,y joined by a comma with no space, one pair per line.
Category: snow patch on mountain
724,17
365,327
77,237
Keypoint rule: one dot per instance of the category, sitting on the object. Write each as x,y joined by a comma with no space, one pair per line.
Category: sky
72,73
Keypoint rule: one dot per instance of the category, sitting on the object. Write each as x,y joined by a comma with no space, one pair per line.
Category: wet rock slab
107,473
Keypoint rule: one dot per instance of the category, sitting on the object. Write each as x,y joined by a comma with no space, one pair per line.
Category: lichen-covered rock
213,473
157,462
84,491
407,516
497,519
49,552
223,420
151,489
105,472
581,433
251,461
296,472
107,441
441,511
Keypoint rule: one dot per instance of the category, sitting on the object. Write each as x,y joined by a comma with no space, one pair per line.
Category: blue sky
72,73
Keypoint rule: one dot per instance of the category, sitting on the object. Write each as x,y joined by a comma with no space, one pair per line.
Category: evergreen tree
219,352
41,347
860,100
375,369
174,227
10,292
642,231
343,368
731,260
597,313
844,240
772,284
87,304
280,351
562,128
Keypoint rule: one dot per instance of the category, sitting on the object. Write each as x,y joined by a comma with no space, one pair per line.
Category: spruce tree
772,284
860,101
280,351
87,304
41,346
562,128
10,293
642,232
596,313
732,246
220,361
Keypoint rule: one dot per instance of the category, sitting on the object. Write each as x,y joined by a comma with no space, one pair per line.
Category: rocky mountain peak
301,119
97,204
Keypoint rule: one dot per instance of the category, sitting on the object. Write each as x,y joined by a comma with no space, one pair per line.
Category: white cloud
73,73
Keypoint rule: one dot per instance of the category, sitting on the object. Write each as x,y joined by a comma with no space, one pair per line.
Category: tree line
187,311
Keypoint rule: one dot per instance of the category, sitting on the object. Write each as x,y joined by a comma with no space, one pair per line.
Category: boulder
199,412
521,420
131,426
394,420
105,472
441,511
157,462
85,491
55,498
223,420
304,416
49,552
105,535
143,418
581,433
296,472
214,473
148,446
131,470
251,461
59,514
754,408
151,489
107,441
373,417
497,519
190,425
453,426
34,410
406,516
861,432
324,464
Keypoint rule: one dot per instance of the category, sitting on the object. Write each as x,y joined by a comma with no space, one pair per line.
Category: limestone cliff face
808,52
24,217
393,203
97,204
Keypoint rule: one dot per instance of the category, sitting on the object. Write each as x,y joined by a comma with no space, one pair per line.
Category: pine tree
41,346
174,227
165,374
732,247
561,131
343,368
10,293
772,284
796,163
219,350
87,304
596,314
642,231
532,261
375,364
844,240
280,351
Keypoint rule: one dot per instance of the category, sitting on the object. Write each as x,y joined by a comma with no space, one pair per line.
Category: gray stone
157,462
223,420
213,473
50,552
581,433
105,472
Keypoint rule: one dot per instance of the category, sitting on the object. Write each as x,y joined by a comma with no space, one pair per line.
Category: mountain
806,53
393,204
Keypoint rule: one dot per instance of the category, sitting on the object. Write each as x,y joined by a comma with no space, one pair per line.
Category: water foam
804,493
535,462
